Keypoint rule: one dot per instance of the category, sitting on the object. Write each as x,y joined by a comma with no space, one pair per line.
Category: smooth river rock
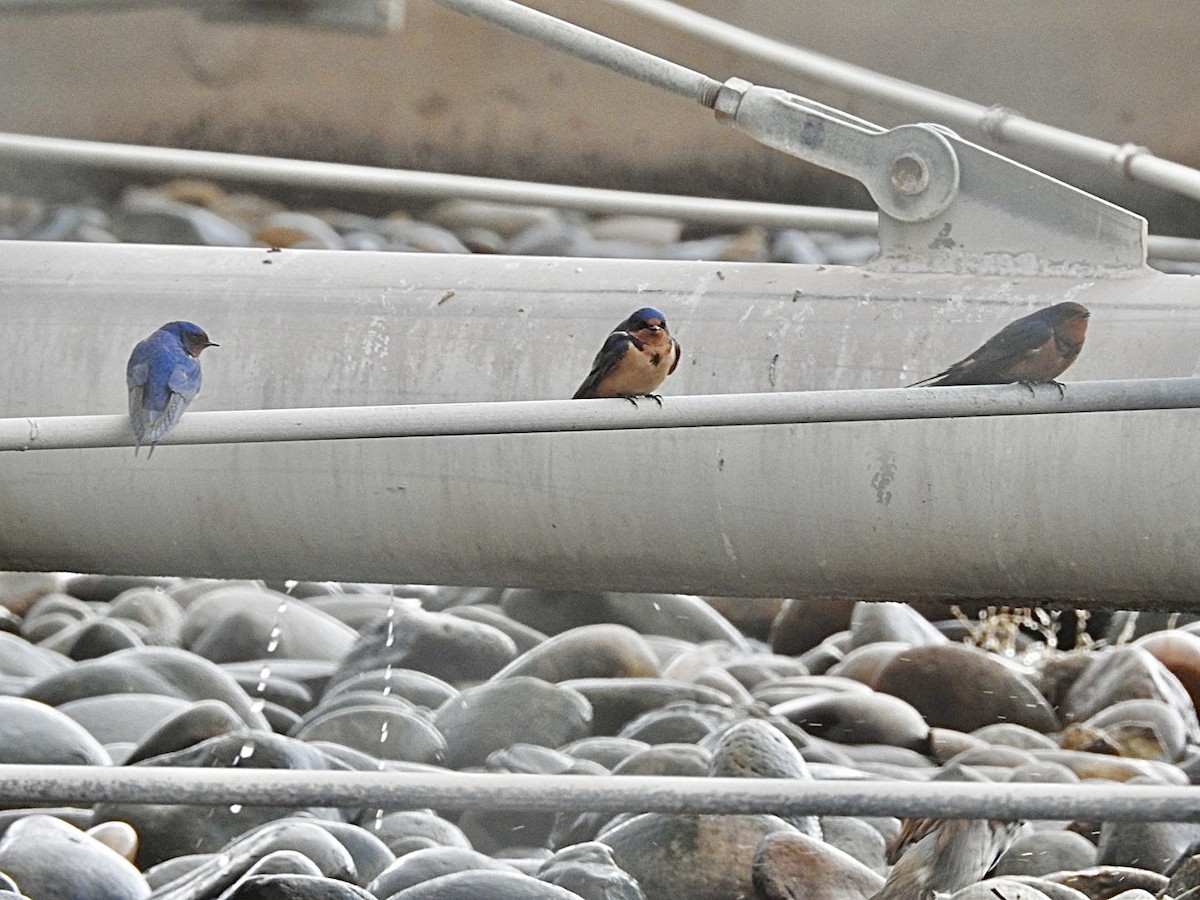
960,687
151,670
448,647
691,857
32,733
51,860
497,714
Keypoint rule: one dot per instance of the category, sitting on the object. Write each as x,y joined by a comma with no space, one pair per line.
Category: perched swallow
1034,349
932,856
636,359
163,377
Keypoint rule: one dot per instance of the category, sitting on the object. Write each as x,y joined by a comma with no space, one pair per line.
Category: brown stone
798,867
803,624
1179,652
954,686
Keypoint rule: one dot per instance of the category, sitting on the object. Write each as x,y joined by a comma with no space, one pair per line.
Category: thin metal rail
173,162
551,416
1132,161
181,163
596,793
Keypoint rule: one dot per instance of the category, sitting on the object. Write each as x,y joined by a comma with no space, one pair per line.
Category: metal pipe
596,48
432,185
552,416
1002,125
597,793
1017,507
1161,246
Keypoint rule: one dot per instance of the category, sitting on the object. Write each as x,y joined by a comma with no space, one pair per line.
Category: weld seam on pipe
612,794
553,416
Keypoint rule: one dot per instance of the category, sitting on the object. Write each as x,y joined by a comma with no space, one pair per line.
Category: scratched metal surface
1099,506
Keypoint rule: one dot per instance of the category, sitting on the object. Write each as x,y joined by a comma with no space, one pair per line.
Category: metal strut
945,204
552,416
183,163
596,793
999,124
174,161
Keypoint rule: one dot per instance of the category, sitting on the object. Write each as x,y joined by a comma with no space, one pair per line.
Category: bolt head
910,175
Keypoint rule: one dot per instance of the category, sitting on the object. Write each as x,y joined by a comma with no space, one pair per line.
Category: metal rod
598,793
432,185
550,416
1003,125
435,186
1161,246
588,45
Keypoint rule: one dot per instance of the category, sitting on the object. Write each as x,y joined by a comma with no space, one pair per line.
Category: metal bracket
946,204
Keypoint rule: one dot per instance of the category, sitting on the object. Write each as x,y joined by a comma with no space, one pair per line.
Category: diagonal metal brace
945,204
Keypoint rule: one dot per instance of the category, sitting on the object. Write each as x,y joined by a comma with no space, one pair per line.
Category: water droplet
259,704
273,645
289,586
264,674
383,733
247,750
236,808
391,622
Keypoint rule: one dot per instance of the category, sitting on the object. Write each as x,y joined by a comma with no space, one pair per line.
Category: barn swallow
163,376
932,856
1034,349
635,359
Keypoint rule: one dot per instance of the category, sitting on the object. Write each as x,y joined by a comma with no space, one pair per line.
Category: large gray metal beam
1074,507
